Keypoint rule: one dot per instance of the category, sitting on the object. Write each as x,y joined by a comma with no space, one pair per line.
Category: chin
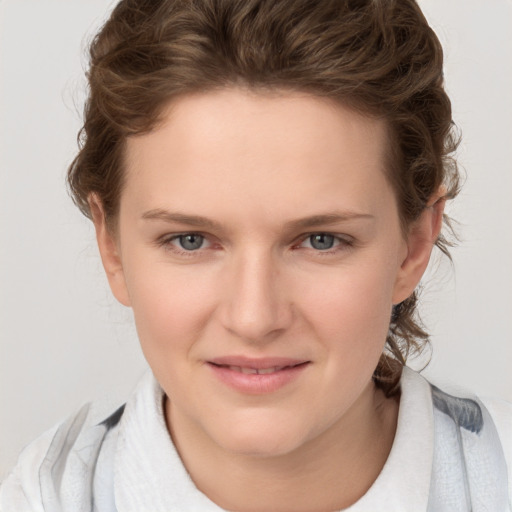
261,439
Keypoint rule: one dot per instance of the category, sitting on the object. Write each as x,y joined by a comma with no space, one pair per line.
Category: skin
254,164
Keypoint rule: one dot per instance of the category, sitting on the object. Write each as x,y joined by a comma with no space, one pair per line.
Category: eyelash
166,243
344,243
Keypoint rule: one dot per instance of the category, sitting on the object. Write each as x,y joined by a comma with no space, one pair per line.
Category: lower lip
257,384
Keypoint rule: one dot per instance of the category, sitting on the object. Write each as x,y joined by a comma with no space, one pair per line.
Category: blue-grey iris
321,241
191,242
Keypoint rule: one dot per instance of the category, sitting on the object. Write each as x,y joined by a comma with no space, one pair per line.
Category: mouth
257,376
250,370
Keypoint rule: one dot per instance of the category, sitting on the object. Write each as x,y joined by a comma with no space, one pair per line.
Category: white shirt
129,464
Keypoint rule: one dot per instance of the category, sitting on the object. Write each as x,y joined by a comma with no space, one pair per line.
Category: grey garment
469,471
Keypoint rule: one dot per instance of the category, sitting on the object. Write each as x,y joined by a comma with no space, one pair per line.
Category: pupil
321,241
191,242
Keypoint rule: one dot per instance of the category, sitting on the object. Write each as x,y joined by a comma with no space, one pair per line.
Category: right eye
184,244
189,241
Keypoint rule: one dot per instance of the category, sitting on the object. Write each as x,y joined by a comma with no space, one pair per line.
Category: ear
420,241
109,251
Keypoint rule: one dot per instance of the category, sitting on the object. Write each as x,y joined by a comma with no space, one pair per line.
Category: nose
255,305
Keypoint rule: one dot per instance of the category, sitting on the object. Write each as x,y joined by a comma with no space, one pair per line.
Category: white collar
148,472
404,482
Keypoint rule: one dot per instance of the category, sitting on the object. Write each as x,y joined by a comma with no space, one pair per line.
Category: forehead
274,148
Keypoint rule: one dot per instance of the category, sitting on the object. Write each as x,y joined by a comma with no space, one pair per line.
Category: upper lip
256,363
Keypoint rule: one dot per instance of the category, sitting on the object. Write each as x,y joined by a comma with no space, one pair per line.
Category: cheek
351,306
171,305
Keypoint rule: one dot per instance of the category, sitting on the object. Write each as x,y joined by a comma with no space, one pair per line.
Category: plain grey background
63,339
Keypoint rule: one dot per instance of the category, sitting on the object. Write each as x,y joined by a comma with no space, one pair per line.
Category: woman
267,181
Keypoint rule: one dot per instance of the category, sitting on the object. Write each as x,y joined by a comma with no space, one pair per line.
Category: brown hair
377,56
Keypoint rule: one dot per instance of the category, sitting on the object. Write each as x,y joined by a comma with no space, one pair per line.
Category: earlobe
109,252
420,242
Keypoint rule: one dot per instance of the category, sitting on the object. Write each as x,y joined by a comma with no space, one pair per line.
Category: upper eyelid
170,237
174,236
338,236
165,242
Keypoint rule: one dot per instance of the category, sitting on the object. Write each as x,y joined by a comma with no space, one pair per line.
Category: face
260,248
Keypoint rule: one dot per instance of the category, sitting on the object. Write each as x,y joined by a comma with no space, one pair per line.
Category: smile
258,371
257,377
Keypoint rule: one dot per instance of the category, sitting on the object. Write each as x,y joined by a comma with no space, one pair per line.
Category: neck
329,472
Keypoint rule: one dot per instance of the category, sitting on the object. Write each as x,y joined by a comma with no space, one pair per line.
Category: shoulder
464,408
71,447
20,490
501,414
472,444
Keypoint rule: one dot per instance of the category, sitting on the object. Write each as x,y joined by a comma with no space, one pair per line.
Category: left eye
322,241
190,241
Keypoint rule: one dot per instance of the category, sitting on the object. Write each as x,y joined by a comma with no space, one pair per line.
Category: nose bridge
256,307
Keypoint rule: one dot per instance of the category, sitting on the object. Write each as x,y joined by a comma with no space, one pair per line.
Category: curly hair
379,57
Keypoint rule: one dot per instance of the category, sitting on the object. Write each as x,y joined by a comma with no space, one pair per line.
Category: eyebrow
326,219
303,223
181,218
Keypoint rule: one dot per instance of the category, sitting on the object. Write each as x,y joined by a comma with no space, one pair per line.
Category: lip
241,373
257,363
